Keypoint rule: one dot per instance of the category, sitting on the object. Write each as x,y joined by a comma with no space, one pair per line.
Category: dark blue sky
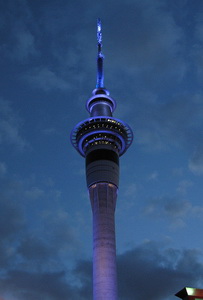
153,68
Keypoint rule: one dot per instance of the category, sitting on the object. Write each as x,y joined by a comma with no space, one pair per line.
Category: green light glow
190,291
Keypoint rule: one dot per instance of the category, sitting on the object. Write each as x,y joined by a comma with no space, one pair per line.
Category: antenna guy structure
102,139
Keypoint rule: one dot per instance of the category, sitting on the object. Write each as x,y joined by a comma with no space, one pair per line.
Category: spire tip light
100,57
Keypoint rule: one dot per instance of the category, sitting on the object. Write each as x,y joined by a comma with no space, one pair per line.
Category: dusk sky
154,69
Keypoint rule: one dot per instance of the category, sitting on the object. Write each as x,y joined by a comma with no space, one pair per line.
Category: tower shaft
103,201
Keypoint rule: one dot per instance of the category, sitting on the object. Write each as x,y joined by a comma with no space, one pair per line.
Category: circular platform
101,132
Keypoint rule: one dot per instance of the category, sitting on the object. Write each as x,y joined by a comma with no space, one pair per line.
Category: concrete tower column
103,201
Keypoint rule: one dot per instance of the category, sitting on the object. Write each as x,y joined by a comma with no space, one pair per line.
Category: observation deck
101,132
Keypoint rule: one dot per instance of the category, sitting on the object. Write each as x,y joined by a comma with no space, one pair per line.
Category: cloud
146,271
19,42
83,273
149,46
35,264
10,125
11,220
35,249
173,208
183,186
196,162
47,41
153,176
130,190
172,125
25,45
12,224
43,286
150,271
34,193
32,231
61,234
46,79
197,46
49,131
3,169
50,244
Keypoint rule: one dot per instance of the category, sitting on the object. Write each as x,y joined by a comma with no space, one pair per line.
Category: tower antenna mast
100,56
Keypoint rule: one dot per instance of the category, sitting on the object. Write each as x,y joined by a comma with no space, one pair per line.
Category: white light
190,291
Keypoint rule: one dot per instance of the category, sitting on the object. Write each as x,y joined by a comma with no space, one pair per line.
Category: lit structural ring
101,129
101,95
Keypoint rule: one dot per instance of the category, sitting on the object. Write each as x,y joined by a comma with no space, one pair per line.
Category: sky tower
102,139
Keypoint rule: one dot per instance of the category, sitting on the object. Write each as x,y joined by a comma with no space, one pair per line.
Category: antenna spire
100,57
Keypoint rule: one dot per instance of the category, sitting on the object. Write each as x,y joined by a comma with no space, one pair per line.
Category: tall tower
102,139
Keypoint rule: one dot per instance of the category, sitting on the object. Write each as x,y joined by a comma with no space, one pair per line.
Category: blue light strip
103,96
100,57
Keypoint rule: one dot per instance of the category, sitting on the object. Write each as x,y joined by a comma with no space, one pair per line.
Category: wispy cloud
10,125
46,79
183,186
164,270
19,43
173,208
175,125
151,50
34,193
25,46
176,210
3,169
196,162
153,176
